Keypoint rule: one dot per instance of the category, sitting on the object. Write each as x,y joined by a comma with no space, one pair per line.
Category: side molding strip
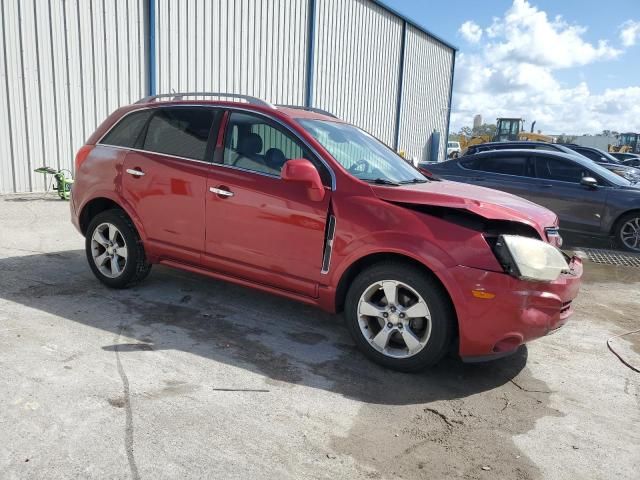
328,244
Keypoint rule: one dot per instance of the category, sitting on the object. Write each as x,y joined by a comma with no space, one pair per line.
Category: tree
466,131
564,138
485,129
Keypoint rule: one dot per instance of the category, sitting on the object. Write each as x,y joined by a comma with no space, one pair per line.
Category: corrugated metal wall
254,47
356,63
64,66
425,94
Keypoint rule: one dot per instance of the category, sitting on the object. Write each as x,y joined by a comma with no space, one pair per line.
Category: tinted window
182,132
503,165
258,144
547,148
127,130
595,156
562,170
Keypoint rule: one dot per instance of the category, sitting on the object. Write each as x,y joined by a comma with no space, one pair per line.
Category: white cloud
629,33
513,73
471,31
526,33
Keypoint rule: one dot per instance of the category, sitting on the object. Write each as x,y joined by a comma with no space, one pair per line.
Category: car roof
585,162
291,111
516,142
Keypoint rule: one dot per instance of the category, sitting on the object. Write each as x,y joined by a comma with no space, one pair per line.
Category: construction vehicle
627,143
507,129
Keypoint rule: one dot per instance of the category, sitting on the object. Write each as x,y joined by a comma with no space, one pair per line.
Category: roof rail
310,109
180,96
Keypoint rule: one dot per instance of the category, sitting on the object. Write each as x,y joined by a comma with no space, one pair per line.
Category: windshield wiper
414,180
381,181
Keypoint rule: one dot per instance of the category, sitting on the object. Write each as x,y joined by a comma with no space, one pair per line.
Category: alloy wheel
630,234
394,319
109,250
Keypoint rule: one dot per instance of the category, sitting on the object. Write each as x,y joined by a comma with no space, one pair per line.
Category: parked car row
590,194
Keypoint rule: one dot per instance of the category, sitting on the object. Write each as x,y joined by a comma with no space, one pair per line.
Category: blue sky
574,66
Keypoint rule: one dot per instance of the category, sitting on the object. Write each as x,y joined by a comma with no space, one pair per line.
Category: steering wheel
361,166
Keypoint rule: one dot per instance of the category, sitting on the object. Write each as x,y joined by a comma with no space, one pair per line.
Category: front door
558,188
259,226
165,181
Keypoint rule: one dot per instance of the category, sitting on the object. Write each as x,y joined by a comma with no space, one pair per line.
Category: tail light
81,156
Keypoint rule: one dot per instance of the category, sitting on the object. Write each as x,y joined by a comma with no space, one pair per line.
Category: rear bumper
519,311
74,216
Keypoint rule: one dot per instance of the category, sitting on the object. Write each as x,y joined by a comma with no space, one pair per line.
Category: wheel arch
616,222
378,257
100,204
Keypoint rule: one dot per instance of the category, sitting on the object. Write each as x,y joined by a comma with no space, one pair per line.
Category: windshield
609,175
362,155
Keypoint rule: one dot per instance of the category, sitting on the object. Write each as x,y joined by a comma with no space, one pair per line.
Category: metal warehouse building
66,64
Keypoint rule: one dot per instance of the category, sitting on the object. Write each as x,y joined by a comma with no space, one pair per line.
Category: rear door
165,179
558,188
509,173
259,226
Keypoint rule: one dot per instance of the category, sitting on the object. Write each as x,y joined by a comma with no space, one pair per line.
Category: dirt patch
450,438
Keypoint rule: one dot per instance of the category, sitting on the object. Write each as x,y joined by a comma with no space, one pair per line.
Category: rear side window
561,170
595,156
127,131
182,132
502,165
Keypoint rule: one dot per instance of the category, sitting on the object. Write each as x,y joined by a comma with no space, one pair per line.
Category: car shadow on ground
278,338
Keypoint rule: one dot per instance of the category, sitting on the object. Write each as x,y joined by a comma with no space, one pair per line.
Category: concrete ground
186,377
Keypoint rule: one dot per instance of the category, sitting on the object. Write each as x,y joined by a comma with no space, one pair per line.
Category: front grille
566,306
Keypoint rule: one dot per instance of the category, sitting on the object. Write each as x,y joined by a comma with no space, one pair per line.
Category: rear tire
627,232
409,333
114,250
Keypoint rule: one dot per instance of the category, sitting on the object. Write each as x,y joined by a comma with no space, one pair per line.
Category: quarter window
127,130
182,132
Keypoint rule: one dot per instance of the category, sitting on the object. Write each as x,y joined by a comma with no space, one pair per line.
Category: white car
453,149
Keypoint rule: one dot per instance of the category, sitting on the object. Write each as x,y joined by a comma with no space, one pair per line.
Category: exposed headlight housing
530,259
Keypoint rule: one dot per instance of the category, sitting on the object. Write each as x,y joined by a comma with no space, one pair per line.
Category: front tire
114,250
628,232
399,316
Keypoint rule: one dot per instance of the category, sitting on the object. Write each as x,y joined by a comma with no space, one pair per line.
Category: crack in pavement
527,389
128,431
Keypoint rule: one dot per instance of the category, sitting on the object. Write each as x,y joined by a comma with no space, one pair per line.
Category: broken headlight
529,258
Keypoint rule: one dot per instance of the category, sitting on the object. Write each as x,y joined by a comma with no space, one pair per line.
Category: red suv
296,202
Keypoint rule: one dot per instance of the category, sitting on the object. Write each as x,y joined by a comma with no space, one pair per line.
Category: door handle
135,172
546,185
221,192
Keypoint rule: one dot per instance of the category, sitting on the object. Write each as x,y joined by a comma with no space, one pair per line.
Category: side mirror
302,171
589,182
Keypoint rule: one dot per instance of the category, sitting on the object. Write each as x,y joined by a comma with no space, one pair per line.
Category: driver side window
257,144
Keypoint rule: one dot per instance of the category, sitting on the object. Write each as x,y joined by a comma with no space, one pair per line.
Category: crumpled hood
485,202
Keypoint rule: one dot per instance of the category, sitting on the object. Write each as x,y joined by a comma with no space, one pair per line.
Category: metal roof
414,24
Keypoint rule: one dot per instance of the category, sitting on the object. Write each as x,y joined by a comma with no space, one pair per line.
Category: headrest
275,158
250,144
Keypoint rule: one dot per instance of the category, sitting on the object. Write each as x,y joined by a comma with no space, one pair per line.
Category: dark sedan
603,158
588,198
629,159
